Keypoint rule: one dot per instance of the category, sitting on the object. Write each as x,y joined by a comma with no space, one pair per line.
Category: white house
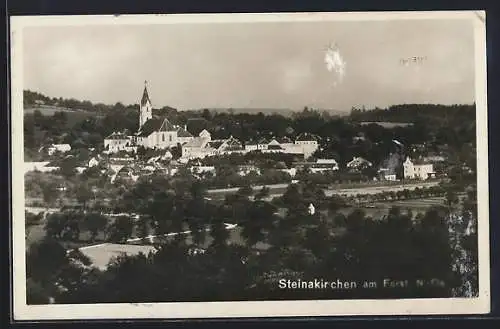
244,170
203,146
292,171
358,163
197,170
417,169
325,165
117,142
93,162
63,148
308,143
311,210
197,148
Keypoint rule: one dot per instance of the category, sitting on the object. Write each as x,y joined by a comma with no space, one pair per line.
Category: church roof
307,137
115,135
150,126
181,132
145,97
155,124
167,125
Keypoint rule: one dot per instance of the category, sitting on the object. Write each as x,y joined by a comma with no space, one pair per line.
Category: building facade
417,169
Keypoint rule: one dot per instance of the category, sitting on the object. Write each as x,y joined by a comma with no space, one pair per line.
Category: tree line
295,245
436,126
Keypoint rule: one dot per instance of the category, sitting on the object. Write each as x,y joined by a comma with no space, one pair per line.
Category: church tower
146,111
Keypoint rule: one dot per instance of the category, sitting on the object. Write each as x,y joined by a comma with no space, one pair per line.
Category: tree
95,223
292,197
44,259
68,167
36,293
121,229
258,222
50,194
263,193
219,233
83,194
55,225
451,199
206,115
65,226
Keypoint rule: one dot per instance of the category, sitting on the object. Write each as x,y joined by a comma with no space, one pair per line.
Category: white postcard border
406,307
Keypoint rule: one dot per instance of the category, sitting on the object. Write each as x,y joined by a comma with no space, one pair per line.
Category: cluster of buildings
157,132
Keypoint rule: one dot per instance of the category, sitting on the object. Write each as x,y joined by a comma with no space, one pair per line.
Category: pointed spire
145,96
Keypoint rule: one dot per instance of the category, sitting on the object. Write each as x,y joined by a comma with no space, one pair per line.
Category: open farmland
74,116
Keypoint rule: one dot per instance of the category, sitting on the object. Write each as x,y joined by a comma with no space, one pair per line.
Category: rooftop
155,124
145,96
115,135
181,132
307,137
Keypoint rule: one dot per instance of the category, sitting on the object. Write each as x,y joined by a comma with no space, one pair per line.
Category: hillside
73,116
267,111
412,113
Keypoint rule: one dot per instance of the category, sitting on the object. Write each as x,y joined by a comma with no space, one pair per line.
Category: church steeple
145,107
145,96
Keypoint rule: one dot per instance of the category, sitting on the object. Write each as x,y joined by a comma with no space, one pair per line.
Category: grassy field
378,209
72,115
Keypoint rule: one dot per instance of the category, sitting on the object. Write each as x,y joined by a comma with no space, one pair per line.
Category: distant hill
73,116
267,111
411,113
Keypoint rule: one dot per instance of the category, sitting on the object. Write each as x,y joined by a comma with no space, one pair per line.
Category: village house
203,146
117,142
323,165
202,170
417,169
244,170
308,144
93,162
387,174
260,144
358,164
226,146
434,158
63,148
290,171
197,148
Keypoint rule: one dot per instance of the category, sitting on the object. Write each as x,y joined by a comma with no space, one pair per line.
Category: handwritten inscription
413,60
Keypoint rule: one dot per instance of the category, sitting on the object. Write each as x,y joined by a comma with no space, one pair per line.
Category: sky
255,65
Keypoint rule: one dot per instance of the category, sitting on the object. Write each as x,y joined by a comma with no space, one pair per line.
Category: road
330,192
380,189
228,226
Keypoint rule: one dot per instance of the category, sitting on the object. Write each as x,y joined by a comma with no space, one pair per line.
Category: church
155,132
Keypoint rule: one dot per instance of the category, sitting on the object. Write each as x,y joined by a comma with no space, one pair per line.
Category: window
162,138
170,138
